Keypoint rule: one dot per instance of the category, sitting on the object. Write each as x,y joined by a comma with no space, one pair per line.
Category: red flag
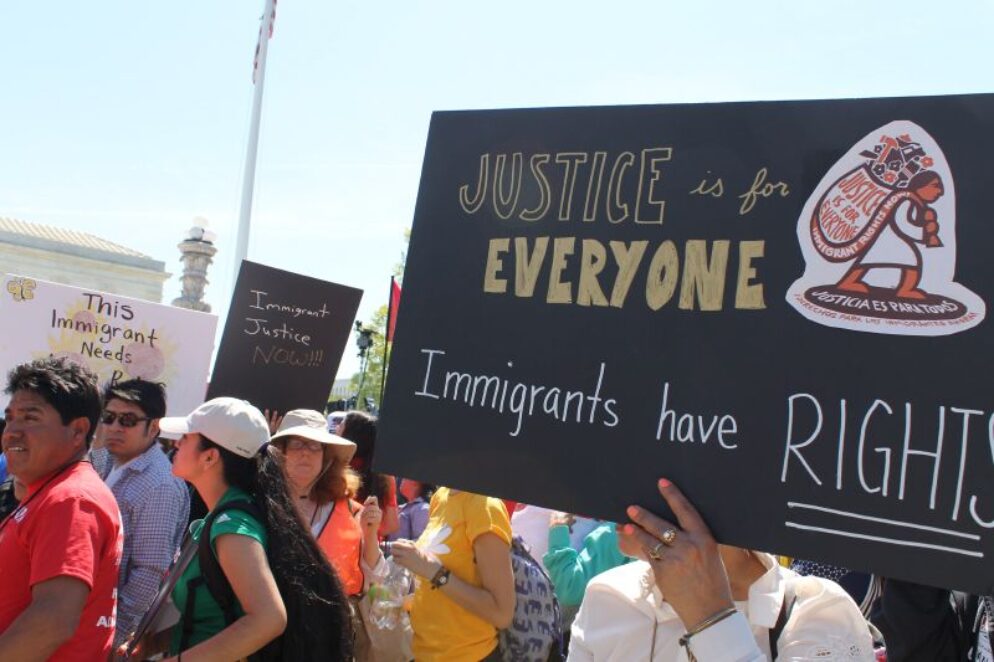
394,307
258,44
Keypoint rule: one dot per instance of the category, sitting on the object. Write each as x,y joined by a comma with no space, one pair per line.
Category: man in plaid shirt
154,504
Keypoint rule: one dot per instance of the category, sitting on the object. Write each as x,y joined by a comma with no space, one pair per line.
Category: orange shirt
341,541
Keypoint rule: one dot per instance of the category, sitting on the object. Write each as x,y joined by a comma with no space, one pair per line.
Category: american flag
258,44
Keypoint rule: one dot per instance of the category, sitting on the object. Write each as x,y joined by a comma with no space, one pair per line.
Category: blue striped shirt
155,507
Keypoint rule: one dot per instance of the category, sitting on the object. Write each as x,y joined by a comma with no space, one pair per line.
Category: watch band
441,578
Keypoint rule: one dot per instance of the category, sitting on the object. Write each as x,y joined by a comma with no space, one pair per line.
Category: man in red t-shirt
61,549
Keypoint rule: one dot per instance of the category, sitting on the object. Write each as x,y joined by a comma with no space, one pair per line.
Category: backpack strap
211,573
786,608
173,575
186,622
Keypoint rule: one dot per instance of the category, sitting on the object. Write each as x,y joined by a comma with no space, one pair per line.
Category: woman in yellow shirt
465,591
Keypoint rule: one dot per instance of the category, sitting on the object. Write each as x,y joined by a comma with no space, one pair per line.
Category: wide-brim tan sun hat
311,424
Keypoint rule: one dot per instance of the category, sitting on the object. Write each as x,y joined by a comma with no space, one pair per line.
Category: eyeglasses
298,444
127,419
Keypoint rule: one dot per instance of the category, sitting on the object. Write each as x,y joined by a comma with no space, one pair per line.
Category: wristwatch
441,578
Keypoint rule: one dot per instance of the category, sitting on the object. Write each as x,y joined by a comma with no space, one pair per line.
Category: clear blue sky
126,119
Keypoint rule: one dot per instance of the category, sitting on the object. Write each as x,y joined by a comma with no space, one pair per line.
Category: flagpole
248,181
386,342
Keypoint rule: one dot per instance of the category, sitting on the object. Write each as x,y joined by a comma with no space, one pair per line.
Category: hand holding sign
685,561
371,515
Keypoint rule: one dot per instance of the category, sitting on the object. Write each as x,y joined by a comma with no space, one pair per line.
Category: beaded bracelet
702,626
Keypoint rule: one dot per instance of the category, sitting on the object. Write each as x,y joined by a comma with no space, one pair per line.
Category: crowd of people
230,534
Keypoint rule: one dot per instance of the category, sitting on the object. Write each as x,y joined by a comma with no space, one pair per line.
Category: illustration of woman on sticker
908,220
870,236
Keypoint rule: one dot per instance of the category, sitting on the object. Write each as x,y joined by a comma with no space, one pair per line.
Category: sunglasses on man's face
127,419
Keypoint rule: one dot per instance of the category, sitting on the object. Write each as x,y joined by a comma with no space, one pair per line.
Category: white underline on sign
870,518
892,541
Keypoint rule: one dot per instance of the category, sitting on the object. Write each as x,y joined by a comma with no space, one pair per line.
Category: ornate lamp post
197,252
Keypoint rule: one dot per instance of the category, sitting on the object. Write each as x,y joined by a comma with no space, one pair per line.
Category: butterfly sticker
22,289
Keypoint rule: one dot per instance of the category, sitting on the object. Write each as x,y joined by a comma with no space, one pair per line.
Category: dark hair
360,428
298,564
923,178
150,397
427,491
69,387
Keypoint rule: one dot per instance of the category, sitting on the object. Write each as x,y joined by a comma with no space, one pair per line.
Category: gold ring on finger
668,537
656,553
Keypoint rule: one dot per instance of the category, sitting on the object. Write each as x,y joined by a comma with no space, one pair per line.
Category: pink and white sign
116,337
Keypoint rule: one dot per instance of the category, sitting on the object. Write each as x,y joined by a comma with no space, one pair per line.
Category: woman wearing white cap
317,463
271,562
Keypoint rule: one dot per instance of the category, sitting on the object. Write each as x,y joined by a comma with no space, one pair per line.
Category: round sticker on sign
878,236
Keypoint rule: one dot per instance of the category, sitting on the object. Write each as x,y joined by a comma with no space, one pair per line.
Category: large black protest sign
283,339
779,306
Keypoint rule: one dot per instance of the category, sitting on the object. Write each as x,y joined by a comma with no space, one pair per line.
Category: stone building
79,259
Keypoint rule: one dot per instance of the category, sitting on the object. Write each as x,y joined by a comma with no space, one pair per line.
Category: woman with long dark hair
277,573
360,428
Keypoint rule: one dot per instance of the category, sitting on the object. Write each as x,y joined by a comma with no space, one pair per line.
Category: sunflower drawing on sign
21,289
878,235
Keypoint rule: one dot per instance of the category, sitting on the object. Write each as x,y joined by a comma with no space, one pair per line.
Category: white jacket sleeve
728,640
594,638
375,575
825,625
618,622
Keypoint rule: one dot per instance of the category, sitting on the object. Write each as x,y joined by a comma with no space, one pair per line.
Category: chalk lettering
715,189
682,426
293,310
761,188
702,275
502,395
615,195
257,325
794,448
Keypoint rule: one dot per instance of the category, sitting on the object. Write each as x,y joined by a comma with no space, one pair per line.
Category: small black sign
283,339
779,306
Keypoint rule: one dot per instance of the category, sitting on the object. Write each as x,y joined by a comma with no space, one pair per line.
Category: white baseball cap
233,424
